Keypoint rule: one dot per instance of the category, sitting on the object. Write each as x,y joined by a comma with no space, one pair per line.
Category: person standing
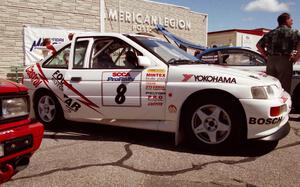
277,47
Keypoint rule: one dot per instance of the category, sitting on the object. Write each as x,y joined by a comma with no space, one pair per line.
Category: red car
20,137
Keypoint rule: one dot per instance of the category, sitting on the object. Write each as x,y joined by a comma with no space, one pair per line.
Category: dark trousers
281,68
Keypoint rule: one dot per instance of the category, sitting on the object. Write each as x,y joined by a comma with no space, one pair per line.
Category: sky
242,14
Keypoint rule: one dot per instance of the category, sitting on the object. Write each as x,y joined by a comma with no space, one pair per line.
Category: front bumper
260,122
12,136
279,134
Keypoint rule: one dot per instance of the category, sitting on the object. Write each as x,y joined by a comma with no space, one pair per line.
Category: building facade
123,16
236,37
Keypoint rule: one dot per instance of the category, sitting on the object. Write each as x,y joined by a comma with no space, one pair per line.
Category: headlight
14,107
263,92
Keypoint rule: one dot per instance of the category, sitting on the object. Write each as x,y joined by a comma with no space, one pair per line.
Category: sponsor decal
155,97
264,121
36,81
155,104
172,109
187,77
71,104
208,78
216,79
58,79
155,93
155,86
120,76
155,71
155,76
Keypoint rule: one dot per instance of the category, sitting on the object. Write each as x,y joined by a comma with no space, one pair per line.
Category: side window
60,60
113,54
80,52
258,60
242,58
211,58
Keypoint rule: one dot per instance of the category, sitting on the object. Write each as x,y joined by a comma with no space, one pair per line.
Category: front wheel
47,110
213,123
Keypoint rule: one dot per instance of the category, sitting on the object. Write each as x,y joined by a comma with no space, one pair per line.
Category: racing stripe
86,100
41,74
45,80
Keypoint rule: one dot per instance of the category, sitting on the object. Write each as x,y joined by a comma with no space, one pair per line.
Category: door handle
76,79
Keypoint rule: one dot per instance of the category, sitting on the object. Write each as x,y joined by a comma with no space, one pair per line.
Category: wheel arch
44,90
39,91
212,93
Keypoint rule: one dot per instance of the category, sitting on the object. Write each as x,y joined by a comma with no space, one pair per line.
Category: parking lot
95,155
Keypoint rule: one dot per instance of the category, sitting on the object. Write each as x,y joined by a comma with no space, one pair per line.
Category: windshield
168,52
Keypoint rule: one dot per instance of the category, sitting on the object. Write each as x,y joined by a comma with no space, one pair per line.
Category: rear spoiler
181,43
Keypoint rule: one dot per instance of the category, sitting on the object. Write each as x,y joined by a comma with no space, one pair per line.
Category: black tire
296,99
54,112
222,117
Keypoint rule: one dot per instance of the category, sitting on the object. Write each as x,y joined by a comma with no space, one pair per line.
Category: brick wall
79,15
14,14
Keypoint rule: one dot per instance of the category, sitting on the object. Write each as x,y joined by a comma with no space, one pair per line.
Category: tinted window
234,58
60,60
80,52
113,54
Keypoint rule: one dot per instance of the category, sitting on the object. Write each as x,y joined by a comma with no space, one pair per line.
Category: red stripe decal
87,101
41,74
87,104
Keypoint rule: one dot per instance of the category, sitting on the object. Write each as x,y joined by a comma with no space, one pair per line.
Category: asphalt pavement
82,154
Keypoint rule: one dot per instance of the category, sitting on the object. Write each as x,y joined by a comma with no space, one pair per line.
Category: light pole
102,15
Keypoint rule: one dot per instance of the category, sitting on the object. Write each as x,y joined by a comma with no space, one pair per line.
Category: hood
11,87
225,72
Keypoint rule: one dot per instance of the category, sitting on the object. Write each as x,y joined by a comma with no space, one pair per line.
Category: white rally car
143,82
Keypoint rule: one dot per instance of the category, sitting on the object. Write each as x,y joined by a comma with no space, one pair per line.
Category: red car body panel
11,87
15,129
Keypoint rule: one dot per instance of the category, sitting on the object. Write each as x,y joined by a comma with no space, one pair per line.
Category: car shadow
155,139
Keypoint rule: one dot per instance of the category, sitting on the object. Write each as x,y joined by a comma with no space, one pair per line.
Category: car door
78,90
108,86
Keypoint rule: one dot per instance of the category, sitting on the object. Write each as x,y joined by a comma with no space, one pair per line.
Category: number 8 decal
121,90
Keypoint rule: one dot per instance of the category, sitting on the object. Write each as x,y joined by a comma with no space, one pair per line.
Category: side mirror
144,61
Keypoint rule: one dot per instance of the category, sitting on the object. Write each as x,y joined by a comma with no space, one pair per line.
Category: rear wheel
214,123
47,110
